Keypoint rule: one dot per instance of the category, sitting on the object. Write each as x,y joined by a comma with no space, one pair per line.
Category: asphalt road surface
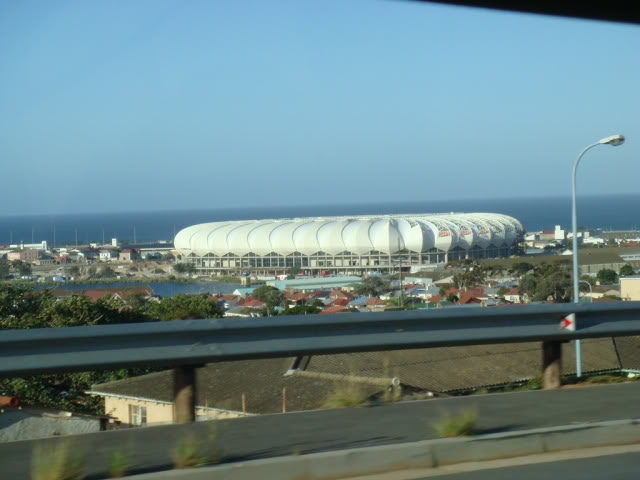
624,466
149,449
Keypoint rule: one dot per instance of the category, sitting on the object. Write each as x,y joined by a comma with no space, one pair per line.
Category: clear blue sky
163,104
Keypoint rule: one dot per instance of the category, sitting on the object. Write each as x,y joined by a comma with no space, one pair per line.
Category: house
256,387
630,288
128,255
374,304
251,387
119,293
339,309
26,255
296,298
45,260
108,255
513,296
250,302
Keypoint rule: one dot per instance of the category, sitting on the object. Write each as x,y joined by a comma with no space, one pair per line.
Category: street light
613,140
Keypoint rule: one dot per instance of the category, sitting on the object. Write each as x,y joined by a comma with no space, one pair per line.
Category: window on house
137,415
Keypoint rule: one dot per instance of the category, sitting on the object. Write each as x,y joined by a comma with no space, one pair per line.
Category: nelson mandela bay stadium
356,244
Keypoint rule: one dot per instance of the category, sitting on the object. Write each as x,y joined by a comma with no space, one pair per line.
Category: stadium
351,245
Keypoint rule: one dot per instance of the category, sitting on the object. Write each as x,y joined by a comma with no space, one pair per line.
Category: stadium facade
357,245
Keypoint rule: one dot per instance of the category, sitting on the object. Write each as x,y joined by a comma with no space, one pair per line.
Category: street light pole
613,140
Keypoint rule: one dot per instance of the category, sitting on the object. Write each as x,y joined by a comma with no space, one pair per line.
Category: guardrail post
551,364
184,393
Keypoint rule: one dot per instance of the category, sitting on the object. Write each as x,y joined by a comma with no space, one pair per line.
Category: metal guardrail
194,342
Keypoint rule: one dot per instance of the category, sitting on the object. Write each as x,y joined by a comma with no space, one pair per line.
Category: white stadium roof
358,235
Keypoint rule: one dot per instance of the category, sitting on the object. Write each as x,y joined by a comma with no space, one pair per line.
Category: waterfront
617,212
162,289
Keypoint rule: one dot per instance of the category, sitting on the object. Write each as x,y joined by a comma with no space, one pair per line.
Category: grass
348,395
458,425
118,464
597,380
192,451
57,462
186,454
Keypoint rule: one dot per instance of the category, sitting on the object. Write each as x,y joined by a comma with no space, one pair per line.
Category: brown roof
334,309
337,293
96,293
455,368
373,301
221,385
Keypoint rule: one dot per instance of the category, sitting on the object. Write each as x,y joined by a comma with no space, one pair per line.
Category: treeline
24,307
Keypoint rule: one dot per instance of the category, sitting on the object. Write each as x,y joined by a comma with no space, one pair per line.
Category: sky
165,104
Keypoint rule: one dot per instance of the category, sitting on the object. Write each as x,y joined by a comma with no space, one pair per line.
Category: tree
502,291
626,270
607,276
372,286
107,272
304,309
24,269
293,271
452,298
4,269
271,296
74,271
184,268
22,307
474,274
184,307
521,268
528,284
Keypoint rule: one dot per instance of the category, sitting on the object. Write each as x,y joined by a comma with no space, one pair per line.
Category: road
308,432
617,463
624,466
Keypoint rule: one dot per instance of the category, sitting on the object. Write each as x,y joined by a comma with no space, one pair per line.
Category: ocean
614,212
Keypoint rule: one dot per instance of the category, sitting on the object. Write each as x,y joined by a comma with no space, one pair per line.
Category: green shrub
457,425
118,464
186,454
56,462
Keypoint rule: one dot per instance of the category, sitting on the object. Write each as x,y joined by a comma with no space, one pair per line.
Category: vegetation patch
459,424
118,464
57,462
349,395
191,451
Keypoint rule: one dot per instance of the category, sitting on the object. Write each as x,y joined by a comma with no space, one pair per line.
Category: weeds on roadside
190,451
118,464
186,453
57,462
348,395
456,425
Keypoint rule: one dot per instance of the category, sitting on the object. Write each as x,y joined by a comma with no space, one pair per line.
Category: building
128,255
630,288
268,386
27,255
557,234
350,245
108,255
